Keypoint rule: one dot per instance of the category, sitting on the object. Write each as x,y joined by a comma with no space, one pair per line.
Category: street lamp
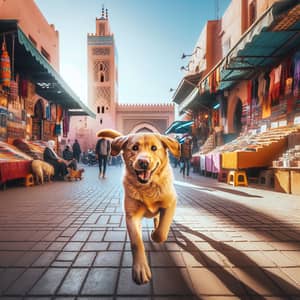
186,55
182,68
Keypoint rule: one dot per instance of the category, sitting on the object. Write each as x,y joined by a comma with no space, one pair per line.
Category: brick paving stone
96,236
107,259
95,246
45,259
27,259
49,282
85,259
24,282
8,258
8,276
73,281
115,236
67,256
100,281
116,246
56,246
73,246
80,236
165,259
171,281
127,287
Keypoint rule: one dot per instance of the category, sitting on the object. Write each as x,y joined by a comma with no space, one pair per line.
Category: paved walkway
67,240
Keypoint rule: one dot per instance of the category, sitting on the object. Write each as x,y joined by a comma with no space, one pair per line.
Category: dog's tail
108,133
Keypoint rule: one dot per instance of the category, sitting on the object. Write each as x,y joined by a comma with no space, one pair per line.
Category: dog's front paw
141,273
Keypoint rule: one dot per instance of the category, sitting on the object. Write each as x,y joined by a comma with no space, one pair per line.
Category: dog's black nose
143,163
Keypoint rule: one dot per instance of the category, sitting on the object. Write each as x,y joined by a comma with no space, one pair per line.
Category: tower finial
106,14
102,15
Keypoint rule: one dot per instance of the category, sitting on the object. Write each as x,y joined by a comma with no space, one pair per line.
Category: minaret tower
102,74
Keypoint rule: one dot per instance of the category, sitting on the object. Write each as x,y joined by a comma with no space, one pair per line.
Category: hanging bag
5,72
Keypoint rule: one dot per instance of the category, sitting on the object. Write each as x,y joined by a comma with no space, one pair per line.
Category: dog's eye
153,148
135,148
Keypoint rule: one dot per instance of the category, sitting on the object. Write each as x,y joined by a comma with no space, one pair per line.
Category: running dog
148,189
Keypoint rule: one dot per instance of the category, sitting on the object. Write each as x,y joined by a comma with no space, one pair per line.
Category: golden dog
148,189
75,174
42,169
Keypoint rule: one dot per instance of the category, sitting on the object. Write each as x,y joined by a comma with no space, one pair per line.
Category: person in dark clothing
186,155
76,150
68,156
102,151
60,167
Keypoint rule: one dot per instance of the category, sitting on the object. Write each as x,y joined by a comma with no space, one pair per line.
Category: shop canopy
179,127
26,59
268,41
186,86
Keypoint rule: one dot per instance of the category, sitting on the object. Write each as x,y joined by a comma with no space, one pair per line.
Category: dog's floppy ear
171,144
117,144
109,133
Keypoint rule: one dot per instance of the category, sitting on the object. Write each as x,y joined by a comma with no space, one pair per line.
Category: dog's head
145,154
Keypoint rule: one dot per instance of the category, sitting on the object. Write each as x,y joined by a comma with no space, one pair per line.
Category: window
45,53
101,121
102,109
98,109
102,77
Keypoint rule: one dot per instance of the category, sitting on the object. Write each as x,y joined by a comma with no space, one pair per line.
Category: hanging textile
296,87
24,88
266,104
5,72
66,123
274,91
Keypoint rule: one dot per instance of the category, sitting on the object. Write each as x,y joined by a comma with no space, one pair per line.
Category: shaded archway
143,127
237,117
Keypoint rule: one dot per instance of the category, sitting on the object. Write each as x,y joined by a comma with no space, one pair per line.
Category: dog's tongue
145,175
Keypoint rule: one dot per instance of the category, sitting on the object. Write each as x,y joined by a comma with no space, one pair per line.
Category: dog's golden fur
41,169
75,174
148,189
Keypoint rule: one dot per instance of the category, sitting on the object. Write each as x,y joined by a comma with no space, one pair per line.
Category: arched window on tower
102,76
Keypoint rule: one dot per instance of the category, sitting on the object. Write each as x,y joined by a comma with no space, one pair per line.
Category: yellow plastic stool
237,178
29,181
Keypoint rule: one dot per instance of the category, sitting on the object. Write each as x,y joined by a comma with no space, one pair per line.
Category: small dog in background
41,170
75,174
148,189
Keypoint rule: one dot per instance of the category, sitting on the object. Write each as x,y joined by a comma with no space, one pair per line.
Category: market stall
14,164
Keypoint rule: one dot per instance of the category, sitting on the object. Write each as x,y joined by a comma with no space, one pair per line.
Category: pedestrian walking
102,151
185,156
76,150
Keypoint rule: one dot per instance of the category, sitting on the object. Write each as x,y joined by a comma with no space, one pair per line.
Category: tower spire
102,15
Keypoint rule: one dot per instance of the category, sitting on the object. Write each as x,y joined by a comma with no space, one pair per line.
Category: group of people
70,158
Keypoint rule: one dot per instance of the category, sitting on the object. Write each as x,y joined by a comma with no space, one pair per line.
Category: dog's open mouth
144,176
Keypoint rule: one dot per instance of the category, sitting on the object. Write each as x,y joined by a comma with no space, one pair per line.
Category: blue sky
150,36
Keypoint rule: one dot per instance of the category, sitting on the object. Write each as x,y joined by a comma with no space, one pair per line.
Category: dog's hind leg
140,269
